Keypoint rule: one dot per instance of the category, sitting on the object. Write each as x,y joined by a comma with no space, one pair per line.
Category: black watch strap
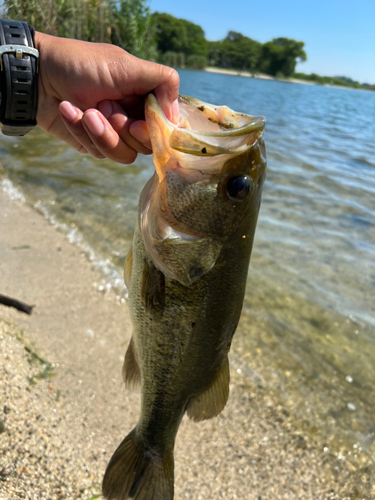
18,78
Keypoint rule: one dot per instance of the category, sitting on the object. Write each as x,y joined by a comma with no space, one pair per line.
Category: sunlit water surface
307,331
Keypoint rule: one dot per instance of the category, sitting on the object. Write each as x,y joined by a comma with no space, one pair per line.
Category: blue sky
339,36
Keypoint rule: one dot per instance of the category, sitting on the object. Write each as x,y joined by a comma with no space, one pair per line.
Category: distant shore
260,76
263,76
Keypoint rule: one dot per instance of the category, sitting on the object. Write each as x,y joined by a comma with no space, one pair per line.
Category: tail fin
139,474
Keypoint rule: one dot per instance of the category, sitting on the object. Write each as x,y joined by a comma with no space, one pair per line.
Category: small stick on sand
21,306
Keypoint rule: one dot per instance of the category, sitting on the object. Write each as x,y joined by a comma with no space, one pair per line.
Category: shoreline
263,76
59,433
259,76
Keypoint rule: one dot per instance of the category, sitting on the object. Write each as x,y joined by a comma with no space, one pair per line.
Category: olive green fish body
186,276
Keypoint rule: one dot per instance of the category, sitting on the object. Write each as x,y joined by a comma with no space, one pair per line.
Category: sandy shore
58,432
222,71
261,76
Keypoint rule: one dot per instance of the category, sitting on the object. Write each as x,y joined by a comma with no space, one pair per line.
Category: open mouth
204,129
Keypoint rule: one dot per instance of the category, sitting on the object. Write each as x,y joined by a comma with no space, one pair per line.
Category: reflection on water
308,326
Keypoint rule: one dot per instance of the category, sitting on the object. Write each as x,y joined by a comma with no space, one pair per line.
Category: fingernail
94,123
68,110
175,112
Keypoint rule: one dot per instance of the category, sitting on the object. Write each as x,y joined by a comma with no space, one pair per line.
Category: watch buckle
19,51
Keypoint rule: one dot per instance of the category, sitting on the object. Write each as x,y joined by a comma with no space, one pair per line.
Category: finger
149,77
121,124
72,117
66,136
166,93
132,141
171,111
76,145
139,131
106,139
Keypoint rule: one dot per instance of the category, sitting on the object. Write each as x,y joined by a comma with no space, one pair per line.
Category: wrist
18,78
40,42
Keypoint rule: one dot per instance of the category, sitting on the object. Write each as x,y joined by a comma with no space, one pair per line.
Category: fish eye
238,188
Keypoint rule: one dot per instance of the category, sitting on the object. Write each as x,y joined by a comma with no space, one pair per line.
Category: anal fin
213,400
131,371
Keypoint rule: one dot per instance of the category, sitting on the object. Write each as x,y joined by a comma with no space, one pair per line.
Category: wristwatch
18,78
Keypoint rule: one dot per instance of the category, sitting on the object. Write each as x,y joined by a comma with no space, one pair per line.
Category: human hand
91,96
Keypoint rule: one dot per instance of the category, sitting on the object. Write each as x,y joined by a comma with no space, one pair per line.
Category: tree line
155,36
164,38
180,41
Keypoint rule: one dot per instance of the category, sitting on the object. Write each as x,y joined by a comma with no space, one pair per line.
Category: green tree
179,36
214,53
196,62
281,55
196,43
236,51
175,59
134,29
169,34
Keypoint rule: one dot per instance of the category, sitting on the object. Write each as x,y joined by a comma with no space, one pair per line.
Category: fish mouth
204,130
230,128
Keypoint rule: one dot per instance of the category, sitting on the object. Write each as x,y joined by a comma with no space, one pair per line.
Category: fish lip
257,124
152,104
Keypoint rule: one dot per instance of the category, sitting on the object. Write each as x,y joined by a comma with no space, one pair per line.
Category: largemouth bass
186,275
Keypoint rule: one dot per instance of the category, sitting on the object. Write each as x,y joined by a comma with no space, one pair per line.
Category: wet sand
58,432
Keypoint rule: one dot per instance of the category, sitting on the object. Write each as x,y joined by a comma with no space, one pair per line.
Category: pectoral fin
185,258
153,290
131,371
212,401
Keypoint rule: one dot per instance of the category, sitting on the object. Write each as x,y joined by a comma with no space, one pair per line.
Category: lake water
307,331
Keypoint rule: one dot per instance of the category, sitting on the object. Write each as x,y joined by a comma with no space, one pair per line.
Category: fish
186,274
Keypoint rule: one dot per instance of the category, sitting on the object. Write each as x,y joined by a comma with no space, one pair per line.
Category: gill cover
195,150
